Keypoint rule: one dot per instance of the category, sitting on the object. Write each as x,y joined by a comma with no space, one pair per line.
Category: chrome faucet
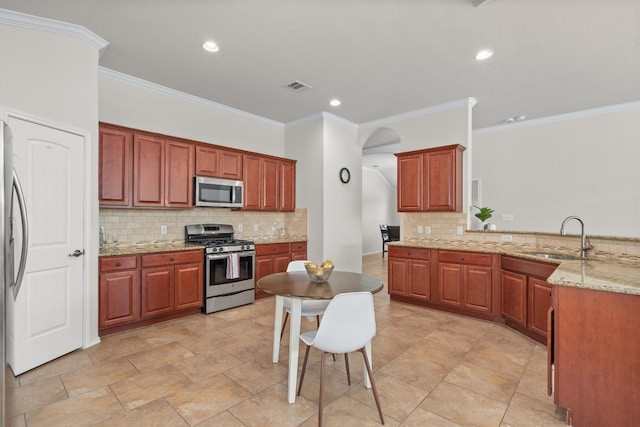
584,246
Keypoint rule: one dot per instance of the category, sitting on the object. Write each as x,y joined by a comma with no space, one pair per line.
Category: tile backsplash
144,225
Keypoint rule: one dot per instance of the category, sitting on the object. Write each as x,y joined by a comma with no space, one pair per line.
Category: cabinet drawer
530,268
270,249
118,263
412,253
464,257
171,258
298,246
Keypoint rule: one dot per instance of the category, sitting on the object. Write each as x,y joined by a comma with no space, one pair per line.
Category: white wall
379,206
130,102
304,143
585,164
52,78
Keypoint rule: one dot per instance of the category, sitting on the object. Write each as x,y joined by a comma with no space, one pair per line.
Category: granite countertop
618,275
147,248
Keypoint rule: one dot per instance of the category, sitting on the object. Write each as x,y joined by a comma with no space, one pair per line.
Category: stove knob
220,249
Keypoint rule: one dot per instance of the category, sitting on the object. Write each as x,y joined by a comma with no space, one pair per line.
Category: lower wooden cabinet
274,258
526,295
465,280
409,272
137,290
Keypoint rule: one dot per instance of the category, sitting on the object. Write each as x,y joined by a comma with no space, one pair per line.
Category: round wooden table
297,286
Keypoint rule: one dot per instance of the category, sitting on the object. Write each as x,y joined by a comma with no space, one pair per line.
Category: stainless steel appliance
229,266
217,192
11,282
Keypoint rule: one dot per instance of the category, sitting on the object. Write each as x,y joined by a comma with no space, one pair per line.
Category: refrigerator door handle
25,234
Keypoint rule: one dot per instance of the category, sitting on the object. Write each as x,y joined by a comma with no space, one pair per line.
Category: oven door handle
226,255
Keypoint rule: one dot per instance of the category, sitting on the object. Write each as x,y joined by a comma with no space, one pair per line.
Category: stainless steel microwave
218,192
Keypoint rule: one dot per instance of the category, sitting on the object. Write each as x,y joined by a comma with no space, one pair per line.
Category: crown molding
154,87
23,20
561,117
465,102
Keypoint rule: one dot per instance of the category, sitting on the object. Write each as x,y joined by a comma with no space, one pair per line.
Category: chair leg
346,363
373,384
284,323
304,368
320,400
318,321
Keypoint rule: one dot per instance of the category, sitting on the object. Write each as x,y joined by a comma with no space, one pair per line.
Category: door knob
77,253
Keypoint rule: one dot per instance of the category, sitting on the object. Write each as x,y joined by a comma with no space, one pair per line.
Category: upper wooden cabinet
430,180
269,183
114,166
218,163
178,181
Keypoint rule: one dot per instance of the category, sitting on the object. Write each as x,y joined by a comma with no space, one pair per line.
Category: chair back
348,324
297,265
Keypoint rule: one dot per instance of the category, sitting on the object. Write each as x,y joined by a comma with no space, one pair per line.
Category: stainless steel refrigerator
11,279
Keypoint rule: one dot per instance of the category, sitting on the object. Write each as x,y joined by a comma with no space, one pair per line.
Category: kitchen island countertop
618,274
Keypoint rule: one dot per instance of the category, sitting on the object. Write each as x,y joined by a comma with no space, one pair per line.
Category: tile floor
431,369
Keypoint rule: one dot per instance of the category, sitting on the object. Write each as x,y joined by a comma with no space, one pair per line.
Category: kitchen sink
551,255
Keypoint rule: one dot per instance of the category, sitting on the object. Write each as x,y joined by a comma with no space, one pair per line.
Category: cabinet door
114,170
398,276
148,170
281,262
419,279
264,266
450,284
539,303
119,298
410,182
207,161
230,165
438,182
189,285
287,186
514,297
178,174
270,184
477,287
157,289
251,174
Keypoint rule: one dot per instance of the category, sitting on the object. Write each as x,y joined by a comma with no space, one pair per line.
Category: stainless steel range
229,266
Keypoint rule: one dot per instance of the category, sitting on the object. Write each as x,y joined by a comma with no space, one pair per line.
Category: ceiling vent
297,86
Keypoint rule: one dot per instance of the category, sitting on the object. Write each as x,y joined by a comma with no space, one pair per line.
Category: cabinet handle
118,264
172,259
462,259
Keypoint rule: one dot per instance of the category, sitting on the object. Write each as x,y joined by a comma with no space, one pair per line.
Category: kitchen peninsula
592,307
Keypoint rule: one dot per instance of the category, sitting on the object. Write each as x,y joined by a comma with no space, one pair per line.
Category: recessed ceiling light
210,46
484,54
335,102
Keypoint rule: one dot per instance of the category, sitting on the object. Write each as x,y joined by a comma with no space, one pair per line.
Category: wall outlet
427,229
239,228
255,227
419,229
507,217
274,226
163,229
507,238
459,230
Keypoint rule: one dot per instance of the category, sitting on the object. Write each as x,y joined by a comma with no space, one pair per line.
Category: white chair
309,308
348,325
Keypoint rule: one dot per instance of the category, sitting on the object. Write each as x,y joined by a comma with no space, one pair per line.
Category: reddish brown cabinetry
269,183
271,258
430,180
409,272
465,280
114,171
595,352
298,251
138,290
119,291
526,295
218,163
178,184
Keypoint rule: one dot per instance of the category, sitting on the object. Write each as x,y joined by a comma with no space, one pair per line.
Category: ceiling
379,57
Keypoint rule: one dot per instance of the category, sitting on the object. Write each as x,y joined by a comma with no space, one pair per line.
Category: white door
45,320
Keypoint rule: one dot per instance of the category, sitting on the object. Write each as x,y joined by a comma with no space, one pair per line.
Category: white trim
304,120
135,81
335,118
562,117
465,102
18,19
382,177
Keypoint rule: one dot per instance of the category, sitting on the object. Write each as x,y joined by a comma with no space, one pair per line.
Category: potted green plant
484,215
